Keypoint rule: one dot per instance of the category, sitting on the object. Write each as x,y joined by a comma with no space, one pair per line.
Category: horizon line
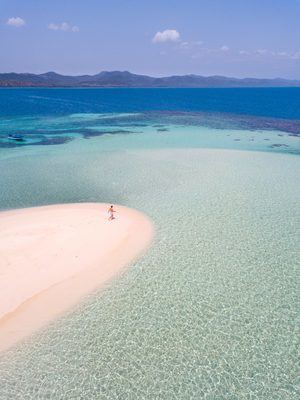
150,75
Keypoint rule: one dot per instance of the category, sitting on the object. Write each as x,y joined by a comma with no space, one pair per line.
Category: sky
241,38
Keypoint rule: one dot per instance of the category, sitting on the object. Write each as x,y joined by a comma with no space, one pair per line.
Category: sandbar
52,256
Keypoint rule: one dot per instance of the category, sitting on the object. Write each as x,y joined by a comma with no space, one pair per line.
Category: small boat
16,136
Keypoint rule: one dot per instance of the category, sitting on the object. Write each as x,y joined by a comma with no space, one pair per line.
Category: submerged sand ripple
210,312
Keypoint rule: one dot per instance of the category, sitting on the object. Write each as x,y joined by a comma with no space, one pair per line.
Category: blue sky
207,37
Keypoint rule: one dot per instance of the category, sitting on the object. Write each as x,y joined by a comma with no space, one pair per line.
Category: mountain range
127,79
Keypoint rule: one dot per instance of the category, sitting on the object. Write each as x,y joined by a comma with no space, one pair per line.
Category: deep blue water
281,103
210,312
236,117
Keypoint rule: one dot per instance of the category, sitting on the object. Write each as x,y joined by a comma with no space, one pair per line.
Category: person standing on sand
111,212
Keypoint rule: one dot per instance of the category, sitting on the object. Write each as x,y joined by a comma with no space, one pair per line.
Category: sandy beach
52,256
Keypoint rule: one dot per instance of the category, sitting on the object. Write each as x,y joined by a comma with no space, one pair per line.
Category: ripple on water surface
210,312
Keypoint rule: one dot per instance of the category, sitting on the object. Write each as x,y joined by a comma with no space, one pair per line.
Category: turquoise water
212,310
156,129
57,116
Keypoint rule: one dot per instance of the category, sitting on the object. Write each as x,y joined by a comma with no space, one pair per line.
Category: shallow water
155,130
211,310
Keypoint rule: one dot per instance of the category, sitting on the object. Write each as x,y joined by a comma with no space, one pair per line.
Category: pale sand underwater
52,256
209,312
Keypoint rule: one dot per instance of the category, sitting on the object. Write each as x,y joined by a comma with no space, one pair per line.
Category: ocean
211,311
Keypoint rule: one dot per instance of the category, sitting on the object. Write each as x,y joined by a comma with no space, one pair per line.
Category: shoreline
55,255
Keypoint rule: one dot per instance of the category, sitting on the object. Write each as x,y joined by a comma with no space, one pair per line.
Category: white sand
52,256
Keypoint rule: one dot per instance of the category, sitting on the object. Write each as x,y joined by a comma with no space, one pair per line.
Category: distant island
127,79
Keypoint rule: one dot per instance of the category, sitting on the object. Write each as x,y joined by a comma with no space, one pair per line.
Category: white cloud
190,45
16,22
271,53
54,27
224,48
244,52
286,55
261,51
282,53
168,35
64,26
295,56
184,44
